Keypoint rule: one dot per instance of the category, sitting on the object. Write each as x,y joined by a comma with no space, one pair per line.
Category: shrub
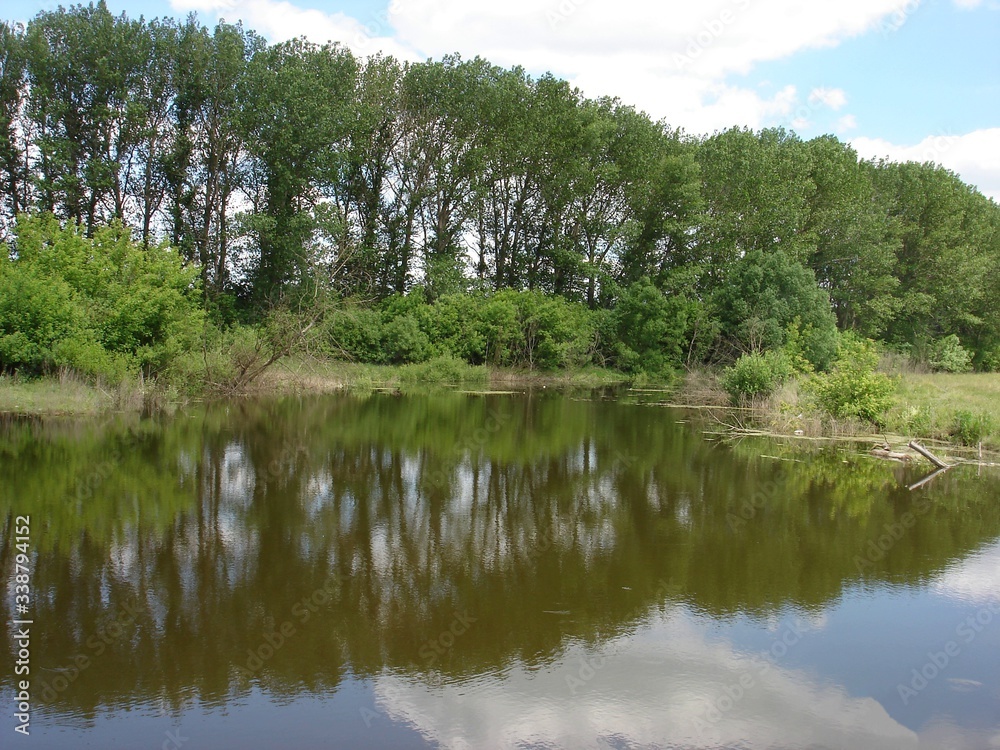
766,292
444,370
948,355
991,360
756,375
404,342
101,305
647,330
356,332
970,428
918,421
555,333
853,387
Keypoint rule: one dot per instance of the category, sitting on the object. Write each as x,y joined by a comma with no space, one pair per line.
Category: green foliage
764,294
647,330
853,387
103,306
794,348
972,427
355,332
948,355
991,360
918,421
756,375
640,247
404,342
445,371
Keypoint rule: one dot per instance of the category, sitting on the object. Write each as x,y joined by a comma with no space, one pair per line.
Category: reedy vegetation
450,208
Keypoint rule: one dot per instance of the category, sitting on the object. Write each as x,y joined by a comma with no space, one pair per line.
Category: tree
296,104
853,240
764,294
14,193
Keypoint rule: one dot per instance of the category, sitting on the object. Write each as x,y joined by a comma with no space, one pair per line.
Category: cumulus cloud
833,98
683,701
280,20
673,60
974,156
670,59
846,123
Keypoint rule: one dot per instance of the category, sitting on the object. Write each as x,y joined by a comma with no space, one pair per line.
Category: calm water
468,571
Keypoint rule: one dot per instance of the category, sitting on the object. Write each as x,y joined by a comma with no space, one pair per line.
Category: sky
905,79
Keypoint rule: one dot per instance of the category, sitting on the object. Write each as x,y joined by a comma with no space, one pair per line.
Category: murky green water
471,571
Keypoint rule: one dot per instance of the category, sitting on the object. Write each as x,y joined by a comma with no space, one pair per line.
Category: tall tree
297,102
14,193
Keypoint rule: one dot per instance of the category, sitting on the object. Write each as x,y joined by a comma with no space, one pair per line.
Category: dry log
928,455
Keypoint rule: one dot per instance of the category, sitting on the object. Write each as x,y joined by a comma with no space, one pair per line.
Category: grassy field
949,407
51,396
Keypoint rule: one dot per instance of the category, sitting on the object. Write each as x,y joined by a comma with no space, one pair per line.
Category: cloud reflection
973,579
657,688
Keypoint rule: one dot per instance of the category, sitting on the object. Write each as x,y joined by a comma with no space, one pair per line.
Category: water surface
456,570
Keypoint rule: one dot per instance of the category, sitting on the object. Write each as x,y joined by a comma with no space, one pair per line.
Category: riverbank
960,410
69,395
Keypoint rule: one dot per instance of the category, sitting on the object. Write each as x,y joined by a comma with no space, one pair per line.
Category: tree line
278,170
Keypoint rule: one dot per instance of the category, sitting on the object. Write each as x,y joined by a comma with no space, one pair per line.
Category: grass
932,406
956,409
56,395
316,375
67,393
953,409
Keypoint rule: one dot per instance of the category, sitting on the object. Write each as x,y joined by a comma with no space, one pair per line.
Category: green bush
918,421
764,293
356,333
991,360
647,330
403,342
948,355
972,427
554,332
853,388
444,370
452,323
756,375
101,305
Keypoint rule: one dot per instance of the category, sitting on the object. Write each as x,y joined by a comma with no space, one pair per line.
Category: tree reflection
370,526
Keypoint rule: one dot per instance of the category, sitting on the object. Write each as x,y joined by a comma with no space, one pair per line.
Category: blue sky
908,79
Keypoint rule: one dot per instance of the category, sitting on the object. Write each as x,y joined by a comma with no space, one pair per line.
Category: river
539,570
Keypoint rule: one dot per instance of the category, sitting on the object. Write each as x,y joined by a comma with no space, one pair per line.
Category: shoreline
926,404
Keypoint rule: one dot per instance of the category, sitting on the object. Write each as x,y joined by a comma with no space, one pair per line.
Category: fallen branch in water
928,455
891,455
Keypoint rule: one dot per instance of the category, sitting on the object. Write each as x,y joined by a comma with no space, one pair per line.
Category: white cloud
833,98
280,20
670,59
847,122
974,579
974,156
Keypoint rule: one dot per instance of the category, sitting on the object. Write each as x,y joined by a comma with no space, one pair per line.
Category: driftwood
928,455
891,455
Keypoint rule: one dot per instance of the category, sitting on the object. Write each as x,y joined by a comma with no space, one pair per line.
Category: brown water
476,571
